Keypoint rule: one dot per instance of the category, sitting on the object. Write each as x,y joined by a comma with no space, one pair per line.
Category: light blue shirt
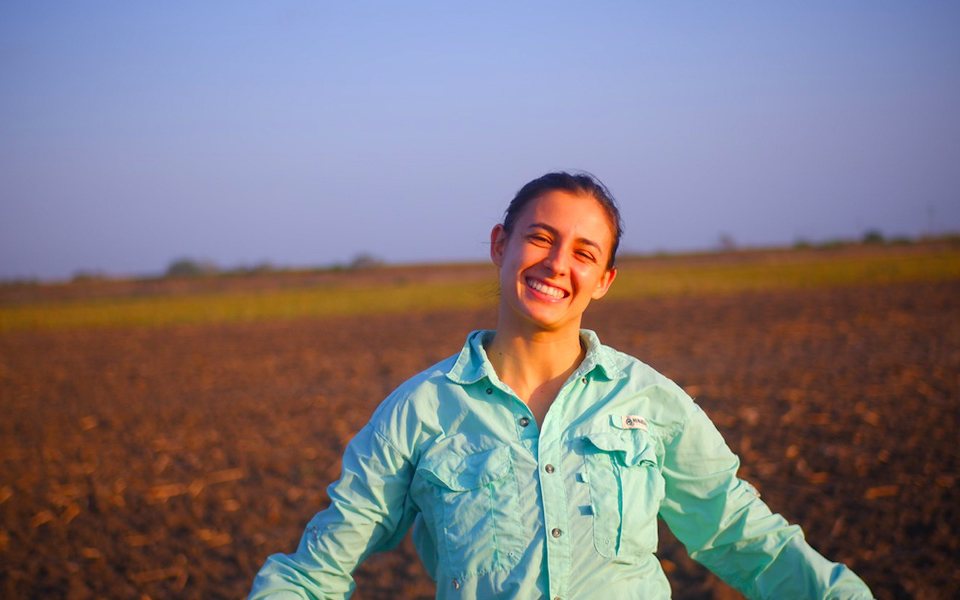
503,509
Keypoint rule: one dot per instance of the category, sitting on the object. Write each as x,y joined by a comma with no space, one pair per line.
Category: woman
534,463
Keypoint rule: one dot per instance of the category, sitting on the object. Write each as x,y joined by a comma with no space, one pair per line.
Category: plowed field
170,461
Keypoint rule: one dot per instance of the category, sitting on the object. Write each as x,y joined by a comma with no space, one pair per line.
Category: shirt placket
554,497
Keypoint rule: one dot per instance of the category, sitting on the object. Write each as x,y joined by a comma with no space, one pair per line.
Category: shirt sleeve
370,511
726,527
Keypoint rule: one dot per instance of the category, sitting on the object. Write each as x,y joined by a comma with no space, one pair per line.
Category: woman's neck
536,366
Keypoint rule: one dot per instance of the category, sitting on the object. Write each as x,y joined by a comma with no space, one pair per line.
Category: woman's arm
370,511
726,527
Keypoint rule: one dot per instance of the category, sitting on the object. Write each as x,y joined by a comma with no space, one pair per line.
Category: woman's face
554,262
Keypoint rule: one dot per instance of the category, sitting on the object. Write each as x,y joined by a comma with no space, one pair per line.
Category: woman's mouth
546,289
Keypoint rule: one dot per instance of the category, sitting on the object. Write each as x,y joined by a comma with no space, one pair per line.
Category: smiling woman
535,462
556,257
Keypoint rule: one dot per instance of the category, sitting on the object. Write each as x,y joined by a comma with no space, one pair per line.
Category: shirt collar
472,364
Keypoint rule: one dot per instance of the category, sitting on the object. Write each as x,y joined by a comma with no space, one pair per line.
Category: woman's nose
556,261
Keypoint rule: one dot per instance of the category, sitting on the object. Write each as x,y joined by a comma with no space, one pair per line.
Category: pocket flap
466,472
631,447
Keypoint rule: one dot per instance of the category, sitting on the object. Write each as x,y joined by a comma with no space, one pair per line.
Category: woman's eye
586,256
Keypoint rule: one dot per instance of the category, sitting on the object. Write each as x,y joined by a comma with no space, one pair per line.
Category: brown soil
169,462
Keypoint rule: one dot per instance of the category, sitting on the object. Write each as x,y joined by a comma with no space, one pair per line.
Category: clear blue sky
305,133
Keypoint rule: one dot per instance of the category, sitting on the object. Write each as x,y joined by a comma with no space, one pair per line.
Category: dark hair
582,184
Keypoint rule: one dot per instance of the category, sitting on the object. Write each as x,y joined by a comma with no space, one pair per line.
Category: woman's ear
498,241
605,282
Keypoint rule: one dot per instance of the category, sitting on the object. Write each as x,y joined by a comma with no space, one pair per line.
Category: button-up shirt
504,508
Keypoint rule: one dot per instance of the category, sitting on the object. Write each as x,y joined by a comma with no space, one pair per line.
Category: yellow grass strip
782,270
213,307
638,278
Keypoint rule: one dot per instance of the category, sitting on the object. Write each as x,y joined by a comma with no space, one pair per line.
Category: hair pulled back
581,184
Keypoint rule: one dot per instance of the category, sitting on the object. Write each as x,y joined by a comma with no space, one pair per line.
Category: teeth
543,288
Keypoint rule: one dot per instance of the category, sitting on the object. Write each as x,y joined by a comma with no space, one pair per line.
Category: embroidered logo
633,422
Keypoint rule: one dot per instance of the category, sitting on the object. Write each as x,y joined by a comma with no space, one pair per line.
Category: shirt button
584,381
524,421
489,390
548,468
556,532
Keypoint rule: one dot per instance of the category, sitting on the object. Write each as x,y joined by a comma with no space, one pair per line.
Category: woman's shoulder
408,412
422,387
662,396
635,370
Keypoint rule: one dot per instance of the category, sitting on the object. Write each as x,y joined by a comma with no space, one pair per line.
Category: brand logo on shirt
633,422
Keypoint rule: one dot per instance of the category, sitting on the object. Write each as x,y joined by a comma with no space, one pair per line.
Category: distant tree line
871,237
189,267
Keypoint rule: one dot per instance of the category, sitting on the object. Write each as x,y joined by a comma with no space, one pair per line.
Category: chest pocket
626,489
476,510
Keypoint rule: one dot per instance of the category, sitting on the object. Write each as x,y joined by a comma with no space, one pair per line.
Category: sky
305,134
